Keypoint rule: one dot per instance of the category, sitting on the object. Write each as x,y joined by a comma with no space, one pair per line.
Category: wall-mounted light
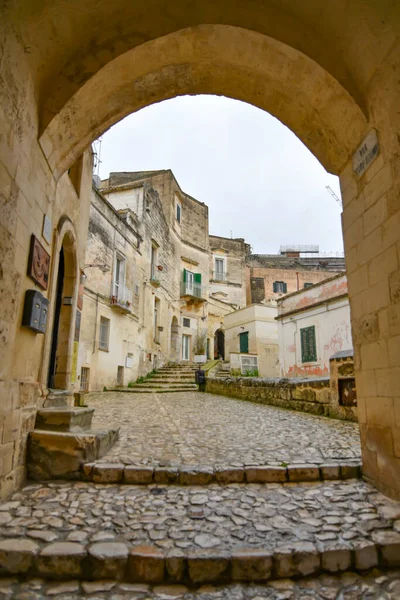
103,268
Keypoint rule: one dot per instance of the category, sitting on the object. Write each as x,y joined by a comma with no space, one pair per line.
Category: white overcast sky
258,179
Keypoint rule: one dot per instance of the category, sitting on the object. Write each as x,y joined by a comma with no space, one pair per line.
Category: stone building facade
314,325
269,276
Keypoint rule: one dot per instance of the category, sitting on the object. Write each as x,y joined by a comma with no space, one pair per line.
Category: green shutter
284,288
184,274
197,277
244,342
275,287
308,344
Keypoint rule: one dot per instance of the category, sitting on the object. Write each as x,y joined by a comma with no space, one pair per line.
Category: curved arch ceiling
212,59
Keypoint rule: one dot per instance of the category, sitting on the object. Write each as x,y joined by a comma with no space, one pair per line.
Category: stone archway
59,367
331,75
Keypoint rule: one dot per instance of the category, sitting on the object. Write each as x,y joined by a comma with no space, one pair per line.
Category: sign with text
365,154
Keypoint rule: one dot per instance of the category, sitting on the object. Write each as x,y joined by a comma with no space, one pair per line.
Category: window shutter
275,287
197,277
284,288
244,342
184,275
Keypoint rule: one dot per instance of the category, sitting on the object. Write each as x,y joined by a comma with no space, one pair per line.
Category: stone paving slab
193,429
183,534
383,585
102,472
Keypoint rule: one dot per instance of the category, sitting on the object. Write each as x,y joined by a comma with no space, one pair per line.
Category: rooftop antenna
231,234
332,193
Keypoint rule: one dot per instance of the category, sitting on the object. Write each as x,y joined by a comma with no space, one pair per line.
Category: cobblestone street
204,429
347,586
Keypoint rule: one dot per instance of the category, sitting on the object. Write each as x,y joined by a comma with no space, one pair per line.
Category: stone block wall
306,395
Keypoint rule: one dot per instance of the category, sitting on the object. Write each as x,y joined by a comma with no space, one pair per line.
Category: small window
280,287
104,333
178,212
308,344
244,342
219,273
186,322
85,373
308,285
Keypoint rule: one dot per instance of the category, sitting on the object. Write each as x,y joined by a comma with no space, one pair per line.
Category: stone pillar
371,229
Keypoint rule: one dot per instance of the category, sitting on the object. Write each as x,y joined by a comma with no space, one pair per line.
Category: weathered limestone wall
28,192
311,396
233,251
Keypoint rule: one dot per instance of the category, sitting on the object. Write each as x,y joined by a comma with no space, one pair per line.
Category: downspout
297,277
95,324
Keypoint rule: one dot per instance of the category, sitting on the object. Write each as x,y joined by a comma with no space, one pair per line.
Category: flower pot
200,358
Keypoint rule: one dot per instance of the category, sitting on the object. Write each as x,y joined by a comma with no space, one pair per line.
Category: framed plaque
39,263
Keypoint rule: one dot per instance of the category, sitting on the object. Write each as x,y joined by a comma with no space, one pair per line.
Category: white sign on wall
46,232
366,153
129,362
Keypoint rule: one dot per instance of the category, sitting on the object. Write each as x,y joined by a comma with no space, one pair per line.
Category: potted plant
200,347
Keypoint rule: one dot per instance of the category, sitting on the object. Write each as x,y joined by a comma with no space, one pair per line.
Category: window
178,212
156,318
104,333
186,322
249,363
308,285
244,342
191,283
308,344
280,287
219,272
119,278
185,347
85,372
154,261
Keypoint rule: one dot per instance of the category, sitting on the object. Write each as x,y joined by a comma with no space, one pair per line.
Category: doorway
219,345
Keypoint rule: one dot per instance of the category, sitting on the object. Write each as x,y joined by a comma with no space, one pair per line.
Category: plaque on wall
39,263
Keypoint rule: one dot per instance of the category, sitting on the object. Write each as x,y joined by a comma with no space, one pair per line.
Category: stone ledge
129,474
150,565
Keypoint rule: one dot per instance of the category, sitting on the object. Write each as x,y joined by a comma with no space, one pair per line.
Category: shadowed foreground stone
300,558
61,560
108,560
250,564
16,555
55,455
207,566
146,564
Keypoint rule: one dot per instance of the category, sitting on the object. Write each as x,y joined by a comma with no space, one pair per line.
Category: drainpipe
297,277
95,324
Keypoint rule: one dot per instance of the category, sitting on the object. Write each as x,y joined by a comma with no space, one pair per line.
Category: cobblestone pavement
209,430
376,585
218,517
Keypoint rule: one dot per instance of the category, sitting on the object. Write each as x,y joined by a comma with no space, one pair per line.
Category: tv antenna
335,196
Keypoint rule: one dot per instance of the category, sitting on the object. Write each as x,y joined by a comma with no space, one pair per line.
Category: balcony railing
218,276
122,297
154,274
192,289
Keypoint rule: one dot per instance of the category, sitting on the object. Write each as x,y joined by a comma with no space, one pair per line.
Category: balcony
155,274
122,298
220,276
192,291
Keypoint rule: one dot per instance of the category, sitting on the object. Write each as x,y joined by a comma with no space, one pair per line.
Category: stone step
381,583
183,535
165,385
155,390
62,454
114,472
59,398
64,419
170,380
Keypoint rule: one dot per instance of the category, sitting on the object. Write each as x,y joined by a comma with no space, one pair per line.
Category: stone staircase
173,378
224,370
63,440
